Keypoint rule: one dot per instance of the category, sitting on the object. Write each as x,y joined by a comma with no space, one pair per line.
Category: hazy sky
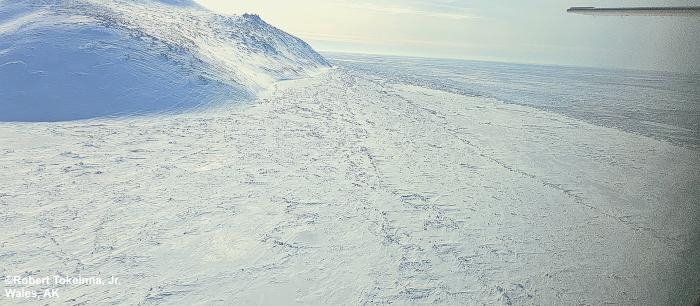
535,31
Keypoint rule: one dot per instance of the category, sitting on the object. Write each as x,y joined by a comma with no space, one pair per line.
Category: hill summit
79,59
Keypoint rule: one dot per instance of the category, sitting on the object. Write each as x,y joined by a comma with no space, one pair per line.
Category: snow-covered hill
76,59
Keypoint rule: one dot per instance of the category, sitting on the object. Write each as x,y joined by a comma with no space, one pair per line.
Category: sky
535,31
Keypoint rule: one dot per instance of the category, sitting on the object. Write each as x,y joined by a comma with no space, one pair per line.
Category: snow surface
335,187
343,190
78,59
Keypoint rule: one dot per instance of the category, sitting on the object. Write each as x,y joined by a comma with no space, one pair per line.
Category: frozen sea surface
663,105
343,190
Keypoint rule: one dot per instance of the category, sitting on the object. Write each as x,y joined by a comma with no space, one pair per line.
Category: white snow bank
64,60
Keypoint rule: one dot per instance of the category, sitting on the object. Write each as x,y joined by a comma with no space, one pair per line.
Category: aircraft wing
691,11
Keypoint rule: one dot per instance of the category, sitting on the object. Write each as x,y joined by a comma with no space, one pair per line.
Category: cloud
407,10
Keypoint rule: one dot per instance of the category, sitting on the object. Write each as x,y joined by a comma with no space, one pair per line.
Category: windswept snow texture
189,3
663,105
65,60
343,189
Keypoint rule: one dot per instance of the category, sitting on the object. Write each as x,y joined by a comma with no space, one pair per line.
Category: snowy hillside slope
77,59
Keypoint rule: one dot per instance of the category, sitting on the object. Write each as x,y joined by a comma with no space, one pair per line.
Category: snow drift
78,59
